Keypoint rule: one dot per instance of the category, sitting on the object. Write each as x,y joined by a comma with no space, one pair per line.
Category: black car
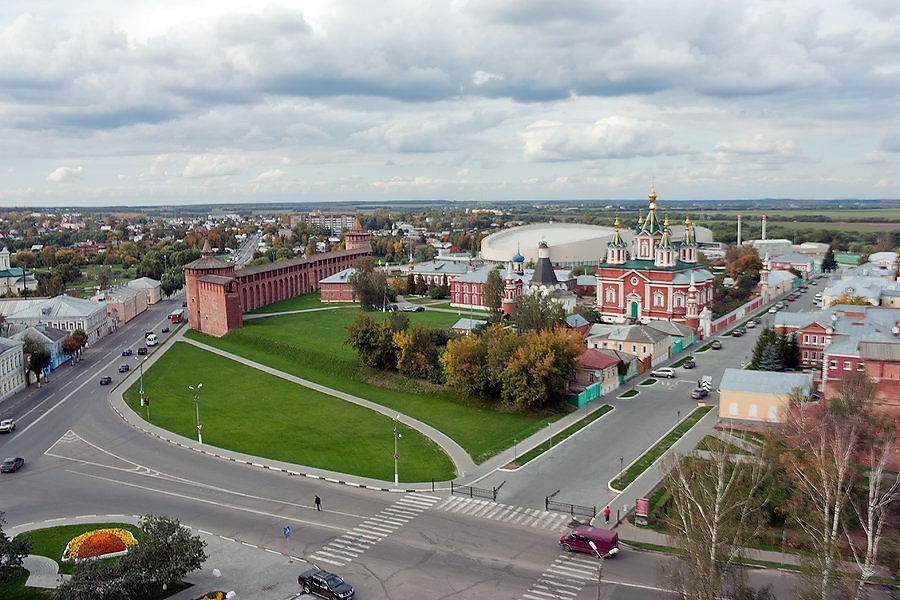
325,584
10,465
757,321
736,333
105,380
689,364
124,368
165,330
142,350
126,352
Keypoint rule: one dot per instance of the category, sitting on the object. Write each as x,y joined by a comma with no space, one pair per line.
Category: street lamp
397,436
144,401
621,464
196,391
600,564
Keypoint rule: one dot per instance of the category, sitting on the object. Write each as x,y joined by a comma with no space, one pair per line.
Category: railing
566,507
474,492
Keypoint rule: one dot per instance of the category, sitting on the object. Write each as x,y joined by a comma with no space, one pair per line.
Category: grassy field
650,456
249,411
298,303
311,345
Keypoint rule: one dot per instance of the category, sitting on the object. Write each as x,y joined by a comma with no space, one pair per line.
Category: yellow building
759,396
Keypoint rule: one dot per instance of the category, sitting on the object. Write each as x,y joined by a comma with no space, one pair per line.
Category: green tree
465,366
589,312
829,263
167,551
104,276
11,553
101,580
49,284
411,283
421,286
171,283
373,342
771,359
766,338
493,293
38,358
369,285
540,370
538,312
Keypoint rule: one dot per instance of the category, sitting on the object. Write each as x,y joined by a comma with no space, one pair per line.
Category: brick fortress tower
210,283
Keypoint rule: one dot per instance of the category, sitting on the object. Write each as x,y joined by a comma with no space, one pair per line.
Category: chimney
739,231
764,227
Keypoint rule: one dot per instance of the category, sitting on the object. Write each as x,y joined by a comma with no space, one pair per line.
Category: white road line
331,562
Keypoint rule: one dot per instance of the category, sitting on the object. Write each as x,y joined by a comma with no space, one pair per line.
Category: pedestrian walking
319,504
606,513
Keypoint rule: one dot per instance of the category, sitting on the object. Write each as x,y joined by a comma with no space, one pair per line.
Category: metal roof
764,382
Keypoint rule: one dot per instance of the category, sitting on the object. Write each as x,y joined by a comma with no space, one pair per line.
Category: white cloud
610,137
64,174
212,165
269,176
481,77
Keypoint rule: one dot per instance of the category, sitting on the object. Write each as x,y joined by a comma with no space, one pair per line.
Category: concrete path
43,572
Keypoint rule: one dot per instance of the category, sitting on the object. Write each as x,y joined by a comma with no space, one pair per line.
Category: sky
107,102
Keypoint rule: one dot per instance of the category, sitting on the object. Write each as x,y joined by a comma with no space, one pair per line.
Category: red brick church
218,294
656,279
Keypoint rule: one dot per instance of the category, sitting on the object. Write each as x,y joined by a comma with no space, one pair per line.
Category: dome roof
518,258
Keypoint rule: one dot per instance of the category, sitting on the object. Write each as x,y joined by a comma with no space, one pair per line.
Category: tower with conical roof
512,289
213,305
358,238
688,249
648,232
617,249
664,254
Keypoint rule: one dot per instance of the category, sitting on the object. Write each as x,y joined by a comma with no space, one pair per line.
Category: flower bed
99,542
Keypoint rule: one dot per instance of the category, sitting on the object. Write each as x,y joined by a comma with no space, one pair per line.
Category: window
634,347
773,413
752,411
832,364
805,339
733,409
679,301
610,294
847,365
659,299
645,349
860,366
805,355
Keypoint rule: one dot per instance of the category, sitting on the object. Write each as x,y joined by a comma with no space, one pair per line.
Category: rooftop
764,382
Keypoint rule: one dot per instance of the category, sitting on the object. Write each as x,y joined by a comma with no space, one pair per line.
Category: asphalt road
84,461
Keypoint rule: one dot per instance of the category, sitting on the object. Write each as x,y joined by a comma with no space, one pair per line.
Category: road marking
484,509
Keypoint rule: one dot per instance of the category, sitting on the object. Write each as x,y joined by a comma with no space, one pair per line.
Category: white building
67,313
12,367
152,287
773,247
14,279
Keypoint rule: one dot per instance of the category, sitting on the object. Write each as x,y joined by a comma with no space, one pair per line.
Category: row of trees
824,476
166,552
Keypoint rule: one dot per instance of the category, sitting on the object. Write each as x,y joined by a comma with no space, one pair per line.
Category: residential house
466,325
50,338
12,367
650,346
67,313
337,288
151,287
759,396
123,303
802,263
595,366
680,336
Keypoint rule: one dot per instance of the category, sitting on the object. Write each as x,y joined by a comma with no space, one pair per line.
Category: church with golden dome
655,278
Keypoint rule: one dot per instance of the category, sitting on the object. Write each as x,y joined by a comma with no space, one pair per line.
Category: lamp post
621,464
144,401
196,391
600,564
397,436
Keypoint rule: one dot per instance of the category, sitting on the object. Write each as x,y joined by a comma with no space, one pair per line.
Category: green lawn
630,394
710,441
303,302
252,412
648,381
650,456
311,345
683,360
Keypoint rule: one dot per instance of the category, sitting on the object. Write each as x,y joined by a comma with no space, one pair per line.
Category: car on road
736,333
7,425
325,584
716,345
689,364
773,310
751,324
12,464
699,393
412,308
663,372
126,352
142,350
756,321
124,368
165,330
105,380
591,540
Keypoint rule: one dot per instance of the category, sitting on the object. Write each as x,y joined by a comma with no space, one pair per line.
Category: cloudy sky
172,102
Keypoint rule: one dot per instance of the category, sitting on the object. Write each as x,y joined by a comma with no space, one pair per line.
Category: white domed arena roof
569,243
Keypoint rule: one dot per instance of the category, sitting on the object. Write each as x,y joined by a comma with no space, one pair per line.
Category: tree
421,286
465,366
369,285
373,342
104,275
849,299
493,293
411,283
171,283
589,313
539,372
166,551
538,312
101,580
416,354
771,359
38,358
715,512
81,337
71,345
829,263
11,553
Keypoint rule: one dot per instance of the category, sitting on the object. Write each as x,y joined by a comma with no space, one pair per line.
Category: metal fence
572,509
474,492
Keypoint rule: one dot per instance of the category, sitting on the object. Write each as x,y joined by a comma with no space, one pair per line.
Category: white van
151,339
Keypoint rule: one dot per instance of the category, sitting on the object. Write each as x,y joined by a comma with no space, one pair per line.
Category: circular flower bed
213,596
99,542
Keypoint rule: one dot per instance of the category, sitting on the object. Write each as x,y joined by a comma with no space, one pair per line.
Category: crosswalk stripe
331,562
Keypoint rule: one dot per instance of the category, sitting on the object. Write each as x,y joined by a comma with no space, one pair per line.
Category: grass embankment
311,345
657,450
561,436
252,412
304,302
51,542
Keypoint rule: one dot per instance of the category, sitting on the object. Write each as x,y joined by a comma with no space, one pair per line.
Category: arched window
679,300
658,299
610,294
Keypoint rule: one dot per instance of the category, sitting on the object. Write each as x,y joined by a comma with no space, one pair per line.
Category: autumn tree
416,353
538,312
373,342
715,511
369,284
539,371
465,366
849,299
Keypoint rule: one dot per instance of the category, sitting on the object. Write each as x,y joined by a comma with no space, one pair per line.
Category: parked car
7,425
105,380
699,393
124,368
773,310
142,350
689,364
412,308
325,584
663,372
165,330
751,324
126,352
716,345
12,464
736,333
389,308
756,321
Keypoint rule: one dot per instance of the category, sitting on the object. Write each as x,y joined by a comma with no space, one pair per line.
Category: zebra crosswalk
347,547
564,579
517,515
